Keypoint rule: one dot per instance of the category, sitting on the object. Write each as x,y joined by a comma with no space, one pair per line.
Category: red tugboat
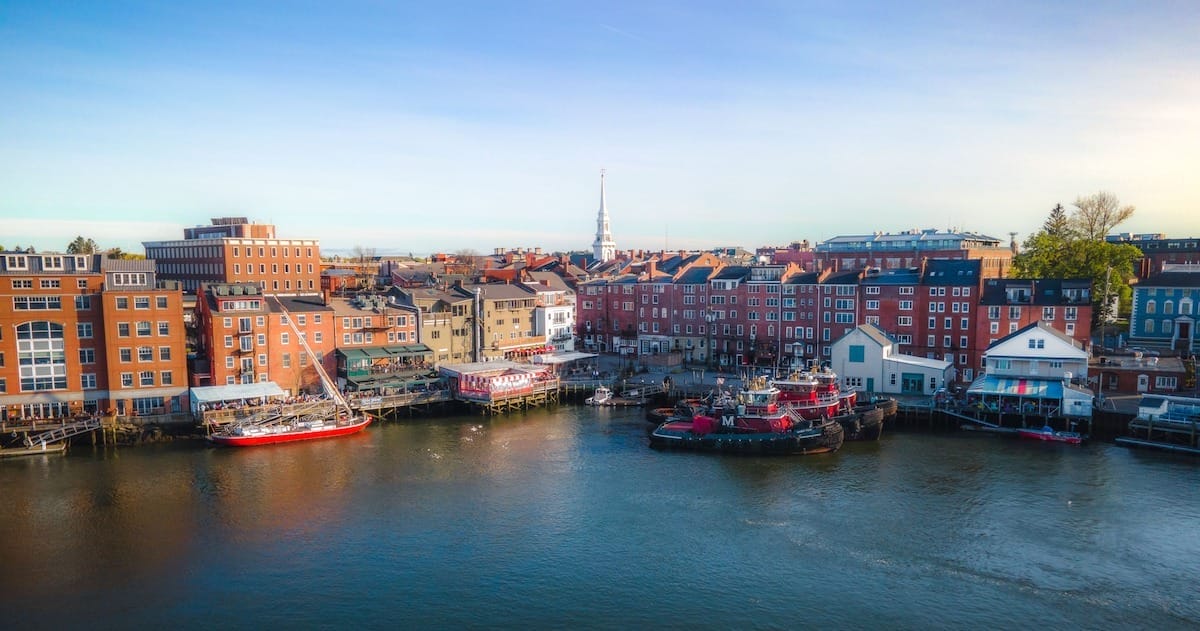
752,423
815,394
818,394
319,420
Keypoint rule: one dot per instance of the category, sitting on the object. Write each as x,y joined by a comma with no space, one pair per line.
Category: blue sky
448,125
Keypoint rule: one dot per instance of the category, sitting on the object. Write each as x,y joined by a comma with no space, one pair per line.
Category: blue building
1164,308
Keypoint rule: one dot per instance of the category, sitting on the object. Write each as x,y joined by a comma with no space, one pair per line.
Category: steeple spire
603,247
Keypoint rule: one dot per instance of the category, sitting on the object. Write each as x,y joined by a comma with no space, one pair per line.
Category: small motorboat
602,396
1049,434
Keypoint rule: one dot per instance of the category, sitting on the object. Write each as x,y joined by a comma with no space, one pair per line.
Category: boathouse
867,361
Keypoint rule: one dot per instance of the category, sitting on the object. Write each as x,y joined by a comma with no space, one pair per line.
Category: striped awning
1017,387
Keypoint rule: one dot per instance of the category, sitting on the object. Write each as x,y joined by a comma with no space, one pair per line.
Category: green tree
1074,247
82,246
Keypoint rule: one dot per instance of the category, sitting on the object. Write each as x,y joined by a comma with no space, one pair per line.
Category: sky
442,126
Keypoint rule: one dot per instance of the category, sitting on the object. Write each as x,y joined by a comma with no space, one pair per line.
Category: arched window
1168,307
42,356
1185,306
1150,307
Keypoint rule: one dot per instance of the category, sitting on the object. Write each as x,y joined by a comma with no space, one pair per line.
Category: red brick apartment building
81,334
234,251
246,336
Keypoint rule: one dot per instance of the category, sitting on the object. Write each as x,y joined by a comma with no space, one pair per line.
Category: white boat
602,396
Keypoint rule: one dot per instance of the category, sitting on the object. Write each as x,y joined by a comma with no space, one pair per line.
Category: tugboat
815,394
863,423
753,422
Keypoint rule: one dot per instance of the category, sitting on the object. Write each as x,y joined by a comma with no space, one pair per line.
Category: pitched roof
1040,324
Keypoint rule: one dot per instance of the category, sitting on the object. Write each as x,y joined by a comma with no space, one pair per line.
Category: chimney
651,268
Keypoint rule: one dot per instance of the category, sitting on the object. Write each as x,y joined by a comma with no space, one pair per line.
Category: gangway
64,432
965,417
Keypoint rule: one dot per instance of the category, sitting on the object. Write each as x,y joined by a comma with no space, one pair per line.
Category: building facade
234,251
80,334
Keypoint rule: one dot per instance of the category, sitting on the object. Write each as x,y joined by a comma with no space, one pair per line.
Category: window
87,355
143,329
37,303
83,303
126,355
83,330
1047,313
87,381
246,343
164,329
160,302
262,339
287,360
141,302
146,377
1165,383
126,380
41,356
262,359
906,305
164,353
122,302
1037,342
145,354
904,321
857,353
285,338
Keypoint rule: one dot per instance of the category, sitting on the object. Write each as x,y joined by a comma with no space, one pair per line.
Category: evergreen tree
82,246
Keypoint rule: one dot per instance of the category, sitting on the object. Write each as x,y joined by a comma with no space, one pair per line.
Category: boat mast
327,383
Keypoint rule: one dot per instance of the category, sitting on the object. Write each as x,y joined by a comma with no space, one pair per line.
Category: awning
1016,387
236,392
352,353
409,350
562,357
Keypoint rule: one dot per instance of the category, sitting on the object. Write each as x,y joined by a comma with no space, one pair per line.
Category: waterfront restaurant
1031,372
493,380
383,368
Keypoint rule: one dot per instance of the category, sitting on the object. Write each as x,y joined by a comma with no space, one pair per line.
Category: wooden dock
540,394
40,449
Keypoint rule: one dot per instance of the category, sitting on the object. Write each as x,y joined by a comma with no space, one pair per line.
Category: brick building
234,251
80,334
907,249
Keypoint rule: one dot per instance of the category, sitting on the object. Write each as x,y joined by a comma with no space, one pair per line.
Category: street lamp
710,318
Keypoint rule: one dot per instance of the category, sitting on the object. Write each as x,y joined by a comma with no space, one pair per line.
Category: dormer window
15,262
52,262
81,264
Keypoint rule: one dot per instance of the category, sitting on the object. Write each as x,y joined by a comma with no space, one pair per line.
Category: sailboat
318,419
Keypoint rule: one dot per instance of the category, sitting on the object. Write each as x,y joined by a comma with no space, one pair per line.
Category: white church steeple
603,248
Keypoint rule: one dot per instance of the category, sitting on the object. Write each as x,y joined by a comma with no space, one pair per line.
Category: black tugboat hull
865,423
822,440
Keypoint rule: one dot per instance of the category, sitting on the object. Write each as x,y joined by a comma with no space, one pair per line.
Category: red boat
248,435
816,394
1048,433
319,420
751,423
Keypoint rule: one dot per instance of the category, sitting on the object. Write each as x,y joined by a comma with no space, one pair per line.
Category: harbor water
565,518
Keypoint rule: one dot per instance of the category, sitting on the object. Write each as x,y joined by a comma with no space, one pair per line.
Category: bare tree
1097,214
